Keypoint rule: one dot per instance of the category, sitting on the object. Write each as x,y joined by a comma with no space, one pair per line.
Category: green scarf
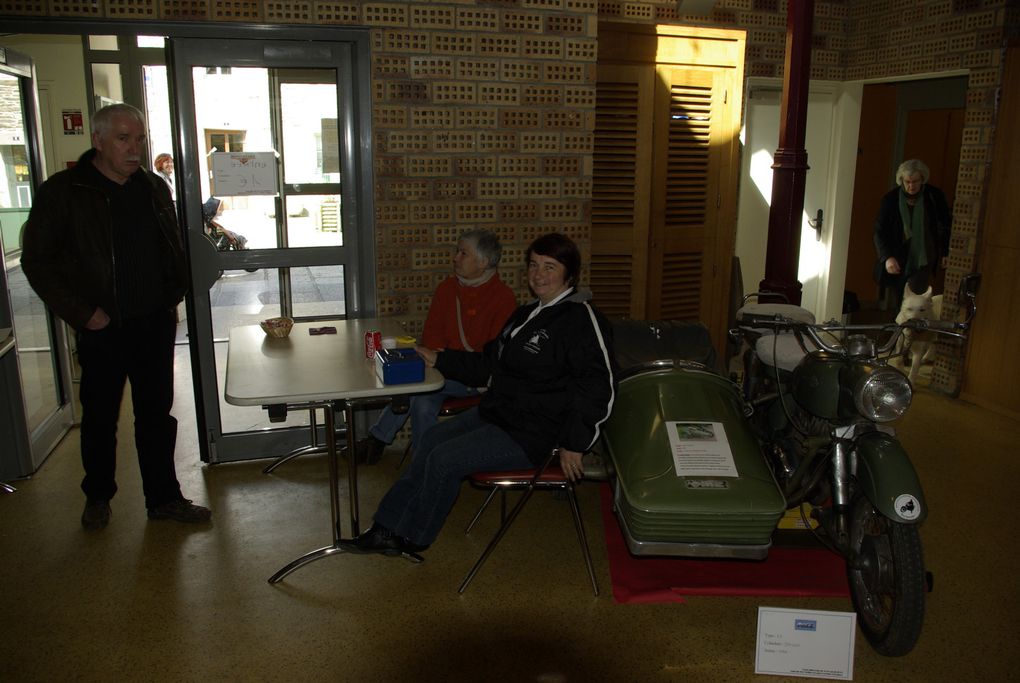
913,224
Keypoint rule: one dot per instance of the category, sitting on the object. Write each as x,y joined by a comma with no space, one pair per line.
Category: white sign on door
240,173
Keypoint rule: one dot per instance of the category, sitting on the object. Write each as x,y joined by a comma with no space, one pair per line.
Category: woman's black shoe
378,539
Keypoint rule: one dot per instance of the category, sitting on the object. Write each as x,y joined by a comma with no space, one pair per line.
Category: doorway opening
920,119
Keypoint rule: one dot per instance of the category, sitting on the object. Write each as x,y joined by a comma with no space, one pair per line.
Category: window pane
151,41
318,291
36,359
157,111
252,216
106,84
232,115
314,221
310,138
103,43
243,298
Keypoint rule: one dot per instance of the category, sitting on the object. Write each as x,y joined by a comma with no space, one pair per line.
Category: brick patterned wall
484,109
483,118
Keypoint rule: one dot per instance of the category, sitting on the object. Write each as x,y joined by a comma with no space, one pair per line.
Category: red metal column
790,164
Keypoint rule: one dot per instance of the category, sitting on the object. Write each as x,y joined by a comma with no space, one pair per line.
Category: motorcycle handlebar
937,326
828,335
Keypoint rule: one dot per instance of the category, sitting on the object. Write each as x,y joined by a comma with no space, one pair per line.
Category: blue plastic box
399,366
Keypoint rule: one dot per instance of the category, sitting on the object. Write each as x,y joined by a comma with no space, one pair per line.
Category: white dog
920,345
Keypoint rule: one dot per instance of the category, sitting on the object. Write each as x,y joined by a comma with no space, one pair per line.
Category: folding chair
548,477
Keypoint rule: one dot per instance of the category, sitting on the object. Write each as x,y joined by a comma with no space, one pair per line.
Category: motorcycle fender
888,478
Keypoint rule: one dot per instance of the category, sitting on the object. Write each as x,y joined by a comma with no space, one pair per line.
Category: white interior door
761,138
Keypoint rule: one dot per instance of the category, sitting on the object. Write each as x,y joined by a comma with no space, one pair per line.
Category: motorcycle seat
784,352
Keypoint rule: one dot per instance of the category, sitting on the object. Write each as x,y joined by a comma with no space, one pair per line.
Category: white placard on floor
811,643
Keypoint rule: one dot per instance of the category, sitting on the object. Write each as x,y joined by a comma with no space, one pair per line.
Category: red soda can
370,344
376,342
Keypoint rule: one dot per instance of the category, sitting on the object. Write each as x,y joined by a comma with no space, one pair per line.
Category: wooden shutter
684,195
620,190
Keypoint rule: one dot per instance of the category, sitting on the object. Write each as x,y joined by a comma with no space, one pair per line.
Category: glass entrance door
276,208
40,340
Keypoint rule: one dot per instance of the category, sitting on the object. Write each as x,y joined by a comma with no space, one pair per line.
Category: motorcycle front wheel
887,580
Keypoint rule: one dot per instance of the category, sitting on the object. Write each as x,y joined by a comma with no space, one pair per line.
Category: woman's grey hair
102,120
486,244
909,168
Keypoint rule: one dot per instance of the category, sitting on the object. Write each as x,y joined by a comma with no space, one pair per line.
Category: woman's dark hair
210,207
561,248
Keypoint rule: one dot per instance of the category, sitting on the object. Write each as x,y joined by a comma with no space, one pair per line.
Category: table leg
314,448
334,492
334,495
352,469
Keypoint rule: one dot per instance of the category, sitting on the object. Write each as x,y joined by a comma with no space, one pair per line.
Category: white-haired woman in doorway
911,231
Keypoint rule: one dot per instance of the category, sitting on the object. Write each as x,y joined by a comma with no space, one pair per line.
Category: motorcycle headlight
883,395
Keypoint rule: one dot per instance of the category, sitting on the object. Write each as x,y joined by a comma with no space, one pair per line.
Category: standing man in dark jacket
911,231
103,250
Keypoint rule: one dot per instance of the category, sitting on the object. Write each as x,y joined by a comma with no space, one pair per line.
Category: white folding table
304,371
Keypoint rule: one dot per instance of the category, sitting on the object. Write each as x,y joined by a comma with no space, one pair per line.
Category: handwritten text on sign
239,173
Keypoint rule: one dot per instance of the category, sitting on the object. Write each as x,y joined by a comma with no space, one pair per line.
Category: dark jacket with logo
550,385
67,251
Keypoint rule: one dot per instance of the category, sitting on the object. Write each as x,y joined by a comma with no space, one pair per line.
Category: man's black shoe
182,510
96,514
369,450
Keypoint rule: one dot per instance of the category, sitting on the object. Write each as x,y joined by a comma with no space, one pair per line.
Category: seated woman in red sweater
467,310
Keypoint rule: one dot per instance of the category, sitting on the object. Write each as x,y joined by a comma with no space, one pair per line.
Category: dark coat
889,229
550,385
67,251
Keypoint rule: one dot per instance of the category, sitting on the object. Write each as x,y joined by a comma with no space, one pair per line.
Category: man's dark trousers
141,351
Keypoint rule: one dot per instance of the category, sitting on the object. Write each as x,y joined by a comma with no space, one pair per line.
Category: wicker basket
277,327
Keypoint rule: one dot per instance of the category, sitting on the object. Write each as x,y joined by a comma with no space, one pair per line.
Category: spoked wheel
887,581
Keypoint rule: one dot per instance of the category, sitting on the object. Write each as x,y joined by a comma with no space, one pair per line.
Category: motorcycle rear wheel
887,582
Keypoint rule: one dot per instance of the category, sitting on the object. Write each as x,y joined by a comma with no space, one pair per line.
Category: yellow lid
406,341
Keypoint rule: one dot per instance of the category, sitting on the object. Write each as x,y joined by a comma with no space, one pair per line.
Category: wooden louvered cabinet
665,176
622,171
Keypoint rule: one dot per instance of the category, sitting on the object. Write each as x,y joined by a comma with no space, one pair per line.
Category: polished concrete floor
159,601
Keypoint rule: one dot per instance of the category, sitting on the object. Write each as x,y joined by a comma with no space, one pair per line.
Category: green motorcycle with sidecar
707,467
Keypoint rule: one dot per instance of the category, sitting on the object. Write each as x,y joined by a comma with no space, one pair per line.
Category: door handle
816,223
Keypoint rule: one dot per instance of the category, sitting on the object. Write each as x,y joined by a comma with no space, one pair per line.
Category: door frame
350,60
44,438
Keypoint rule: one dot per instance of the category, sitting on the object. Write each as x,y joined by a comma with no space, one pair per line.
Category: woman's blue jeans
417,504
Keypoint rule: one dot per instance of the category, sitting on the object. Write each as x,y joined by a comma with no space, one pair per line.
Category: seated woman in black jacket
551,384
